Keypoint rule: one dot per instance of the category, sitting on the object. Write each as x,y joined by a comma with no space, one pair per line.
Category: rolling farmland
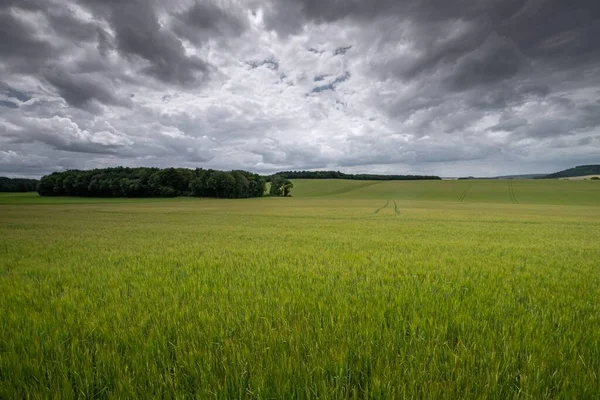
543,192
349,289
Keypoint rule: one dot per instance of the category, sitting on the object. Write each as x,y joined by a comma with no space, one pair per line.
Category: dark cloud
270,63
8,104
508,123
19,46
501,96
493,11
333,84
80,90
341,50
31,5
66,24
495,60
12,92
559,32
105,42
139,35
203,20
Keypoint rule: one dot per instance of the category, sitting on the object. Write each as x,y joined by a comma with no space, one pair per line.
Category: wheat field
349,289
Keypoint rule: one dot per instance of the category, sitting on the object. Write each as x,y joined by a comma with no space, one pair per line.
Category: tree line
341,175
18,184
153,182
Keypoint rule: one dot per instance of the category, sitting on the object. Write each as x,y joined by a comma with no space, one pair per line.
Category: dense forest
341,175
18,185
580,170
153,182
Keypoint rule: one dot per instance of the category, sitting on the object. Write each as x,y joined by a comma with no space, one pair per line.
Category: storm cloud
444,87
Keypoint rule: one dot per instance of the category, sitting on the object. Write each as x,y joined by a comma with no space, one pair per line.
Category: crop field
349,289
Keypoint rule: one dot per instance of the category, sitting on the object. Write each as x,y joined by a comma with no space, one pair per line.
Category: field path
379,209
396,209
464,194
511,192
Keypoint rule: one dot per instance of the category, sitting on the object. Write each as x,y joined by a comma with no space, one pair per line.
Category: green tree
280,186
287,189
147,182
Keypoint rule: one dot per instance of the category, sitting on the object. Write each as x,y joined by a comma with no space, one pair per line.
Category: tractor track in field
379,209
465,193
511,192
387,203
396,209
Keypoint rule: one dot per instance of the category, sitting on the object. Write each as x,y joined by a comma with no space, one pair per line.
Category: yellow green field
469,191
349,289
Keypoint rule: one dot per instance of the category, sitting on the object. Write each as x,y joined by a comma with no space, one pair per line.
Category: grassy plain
452,289
530,191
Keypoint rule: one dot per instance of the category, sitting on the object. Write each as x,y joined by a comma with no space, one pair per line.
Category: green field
469,191
349,289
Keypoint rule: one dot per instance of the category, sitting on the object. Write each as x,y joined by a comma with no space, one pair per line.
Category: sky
443,87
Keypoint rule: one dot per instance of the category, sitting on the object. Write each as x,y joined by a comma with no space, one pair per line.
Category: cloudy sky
446,87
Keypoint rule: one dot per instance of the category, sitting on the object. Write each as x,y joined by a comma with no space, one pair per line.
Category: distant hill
525,176
356,177
581,170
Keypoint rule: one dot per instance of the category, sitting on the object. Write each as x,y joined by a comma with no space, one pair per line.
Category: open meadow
349,289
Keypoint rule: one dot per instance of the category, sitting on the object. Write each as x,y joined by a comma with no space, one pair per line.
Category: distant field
349,289
518,191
